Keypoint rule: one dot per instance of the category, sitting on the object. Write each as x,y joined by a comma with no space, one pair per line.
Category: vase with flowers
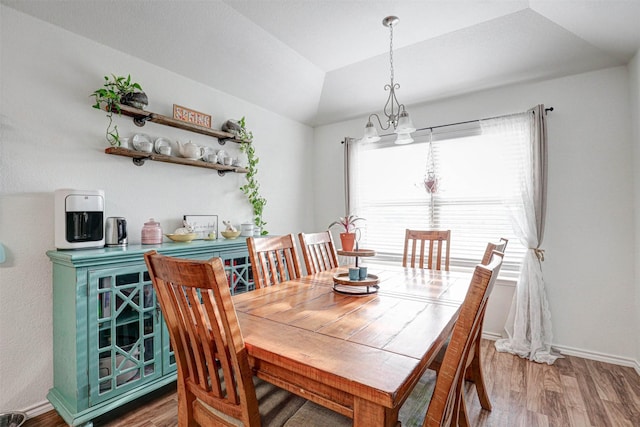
348,226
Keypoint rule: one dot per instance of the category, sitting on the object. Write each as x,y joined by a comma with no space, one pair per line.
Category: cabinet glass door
125,342
168,357
239,274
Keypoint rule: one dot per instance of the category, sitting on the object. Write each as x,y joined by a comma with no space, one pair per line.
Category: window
479,179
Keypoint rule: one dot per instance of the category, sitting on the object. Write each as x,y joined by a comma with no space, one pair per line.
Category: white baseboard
492,336
600,357
38,409
585,354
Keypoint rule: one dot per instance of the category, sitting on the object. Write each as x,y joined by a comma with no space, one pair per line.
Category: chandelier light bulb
403,138
405,125
370,133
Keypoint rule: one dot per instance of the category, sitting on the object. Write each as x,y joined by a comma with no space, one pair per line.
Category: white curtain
528,327
351,148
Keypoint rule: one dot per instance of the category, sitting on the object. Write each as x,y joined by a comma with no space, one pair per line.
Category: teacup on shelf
145,146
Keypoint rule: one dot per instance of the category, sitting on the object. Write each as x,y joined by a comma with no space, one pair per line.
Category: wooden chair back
436,241
205,334
446,402
273,259
318,251
501,246
474,370
473,366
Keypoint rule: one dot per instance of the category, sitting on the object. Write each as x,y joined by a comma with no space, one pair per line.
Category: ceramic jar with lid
247,230
151,233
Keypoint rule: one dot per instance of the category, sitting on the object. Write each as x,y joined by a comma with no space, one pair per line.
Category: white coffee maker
79,219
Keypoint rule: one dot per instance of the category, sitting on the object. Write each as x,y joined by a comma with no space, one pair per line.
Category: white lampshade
403,138
370,133
405,125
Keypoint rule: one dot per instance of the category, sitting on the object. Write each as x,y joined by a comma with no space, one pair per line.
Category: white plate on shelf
206,151
221,155
163,142
140,141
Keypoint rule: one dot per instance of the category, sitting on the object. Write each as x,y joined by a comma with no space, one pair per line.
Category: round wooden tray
343,285
359,252
343,279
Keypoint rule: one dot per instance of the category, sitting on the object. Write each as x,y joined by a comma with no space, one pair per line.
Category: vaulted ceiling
321,61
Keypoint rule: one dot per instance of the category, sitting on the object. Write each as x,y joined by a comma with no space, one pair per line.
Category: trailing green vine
114,91
252,188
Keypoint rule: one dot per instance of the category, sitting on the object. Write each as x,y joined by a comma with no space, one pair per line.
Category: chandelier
396,114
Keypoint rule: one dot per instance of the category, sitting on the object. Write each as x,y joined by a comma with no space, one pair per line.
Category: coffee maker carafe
79,219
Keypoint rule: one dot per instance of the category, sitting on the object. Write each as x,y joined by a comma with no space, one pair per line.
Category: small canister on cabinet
246,230
151,233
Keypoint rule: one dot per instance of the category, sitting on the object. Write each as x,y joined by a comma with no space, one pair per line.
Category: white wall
589,241
634,80
51,138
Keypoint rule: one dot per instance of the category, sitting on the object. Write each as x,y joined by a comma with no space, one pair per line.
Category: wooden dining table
360,356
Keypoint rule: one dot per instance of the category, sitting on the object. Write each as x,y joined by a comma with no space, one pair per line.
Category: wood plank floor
573,392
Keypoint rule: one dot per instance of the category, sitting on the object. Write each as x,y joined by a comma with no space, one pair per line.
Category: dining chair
473,369
500,246
273,259
318,251
446,405
438,241
196,304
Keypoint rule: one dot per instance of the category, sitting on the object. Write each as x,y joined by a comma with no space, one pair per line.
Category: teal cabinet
110,342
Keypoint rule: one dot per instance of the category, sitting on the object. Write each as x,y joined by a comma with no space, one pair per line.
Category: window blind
478,182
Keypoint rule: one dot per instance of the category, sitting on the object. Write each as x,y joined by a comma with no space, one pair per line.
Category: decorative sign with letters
191,116
206,226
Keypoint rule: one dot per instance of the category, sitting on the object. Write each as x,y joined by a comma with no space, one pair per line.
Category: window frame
460,261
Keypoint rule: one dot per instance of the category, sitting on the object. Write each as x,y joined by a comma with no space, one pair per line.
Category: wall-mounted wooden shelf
140,117
140,157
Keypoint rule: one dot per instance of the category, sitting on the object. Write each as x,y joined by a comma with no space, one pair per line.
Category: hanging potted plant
430,178
115,91
348,235
252,188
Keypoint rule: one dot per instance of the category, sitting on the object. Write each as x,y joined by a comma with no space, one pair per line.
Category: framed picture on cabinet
205,226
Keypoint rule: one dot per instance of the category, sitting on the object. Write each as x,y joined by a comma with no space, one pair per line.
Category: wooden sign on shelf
191,116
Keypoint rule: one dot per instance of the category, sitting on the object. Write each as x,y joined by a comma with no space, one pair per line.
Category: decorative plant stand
366,286
343,285
357,253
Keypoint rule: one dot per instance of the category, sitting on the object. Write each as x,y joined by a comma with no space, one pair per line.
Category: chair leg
474,371
463,417
185,407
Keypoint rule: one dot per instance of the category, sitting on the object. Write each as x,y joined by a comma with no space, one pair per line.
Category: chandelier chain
391,51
